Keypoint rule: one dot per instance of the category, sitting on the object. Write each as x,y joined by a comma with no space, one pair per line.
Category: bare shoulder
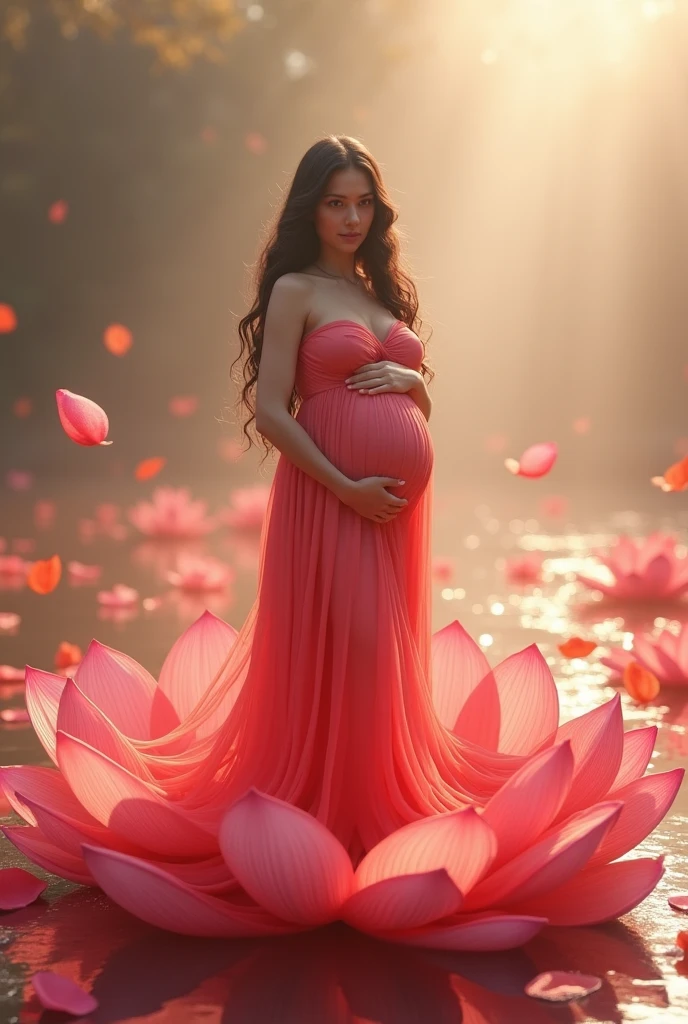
293,285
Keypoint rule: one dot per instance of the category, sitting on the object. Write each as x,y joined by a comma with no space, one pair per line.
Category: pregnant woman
239,793
326,699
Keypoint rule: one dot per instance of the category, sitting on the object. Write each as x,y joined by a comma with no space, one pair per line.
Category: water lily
665,655
171,514
650,569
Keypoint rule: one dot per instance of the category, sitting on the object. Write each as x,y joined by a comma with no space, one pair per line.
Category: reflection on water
335,975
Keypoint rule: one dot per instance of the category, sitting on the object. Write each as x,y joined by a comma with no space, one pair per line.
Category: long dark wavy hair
293,244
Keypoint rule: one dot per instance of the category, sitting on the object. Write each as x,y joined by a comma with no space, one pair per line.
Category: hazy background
538,154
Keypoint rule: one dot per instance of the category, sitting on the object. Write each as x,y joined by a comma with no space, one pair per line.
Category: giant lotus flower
650,569
543,848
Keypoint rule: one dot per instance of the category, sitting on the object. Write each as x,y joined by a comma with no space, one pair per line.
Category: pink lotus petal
597,744
44,785
55,992
406,901
30,841
598,894
458,666
285,859
536,461
18,888
123,690
551,862
459,841
638,745
80,717
188,670
645,802
83,420
69,834
562,986
678,902
159,898
479,933
129,806
496,716
527,804
43,692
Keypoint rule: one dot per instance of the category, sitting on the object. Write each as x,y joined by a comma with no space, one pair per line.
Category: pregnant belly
372,435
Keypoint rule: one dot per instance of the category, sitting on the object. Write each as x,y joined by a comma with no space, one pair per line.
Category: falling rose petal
57,214
582,425
22,407
44,512
149,467
55,992
641,684
183,405
682,941
44,575
82,419
229,449
562,986
12,715
577,648
67,654
536,461
24,545
443,569
209,134
678,902
19,479
675,478
255,143
8,319
117,339
18,888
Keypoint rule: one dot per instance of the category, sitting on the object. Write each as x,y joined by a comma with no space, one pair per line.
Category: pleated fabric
326,698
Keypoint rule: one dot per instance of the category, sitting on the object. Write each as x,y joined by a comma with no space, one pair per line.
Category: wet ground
139,973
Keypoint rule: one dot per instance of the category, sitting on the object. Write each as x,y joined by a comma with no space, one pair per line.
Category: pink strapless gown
328,696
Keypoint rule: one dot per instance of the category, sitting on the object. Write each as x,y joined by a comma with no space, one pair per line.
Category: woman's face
345,208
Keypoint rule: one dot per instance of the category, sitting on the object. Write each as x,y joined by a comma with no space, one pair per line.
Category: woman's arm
284,322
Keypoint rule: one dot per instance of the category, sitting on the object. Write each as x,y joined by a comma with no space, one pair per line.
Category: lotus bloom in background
665,655
121,596
200,573
654,568
83,420
536,461
248,507
541,847
172,515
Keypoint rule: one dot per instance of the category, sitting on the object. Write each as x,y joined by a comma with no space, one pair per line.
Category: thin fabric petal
502,821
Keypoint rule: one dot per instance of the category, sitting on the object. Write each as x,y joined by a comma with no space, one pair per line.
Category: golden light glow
557,34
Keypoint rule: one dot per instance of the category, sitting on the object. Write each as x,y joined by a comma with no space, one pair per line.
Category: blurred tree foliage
177,31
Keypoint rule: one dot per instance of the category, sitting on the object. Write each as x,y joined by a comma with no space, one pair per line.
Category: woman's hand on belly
375,378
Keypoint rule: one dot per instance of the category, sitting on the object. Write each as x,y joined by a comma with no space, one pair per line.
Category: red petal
18,888
55,992
561,986
44,575
678,902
